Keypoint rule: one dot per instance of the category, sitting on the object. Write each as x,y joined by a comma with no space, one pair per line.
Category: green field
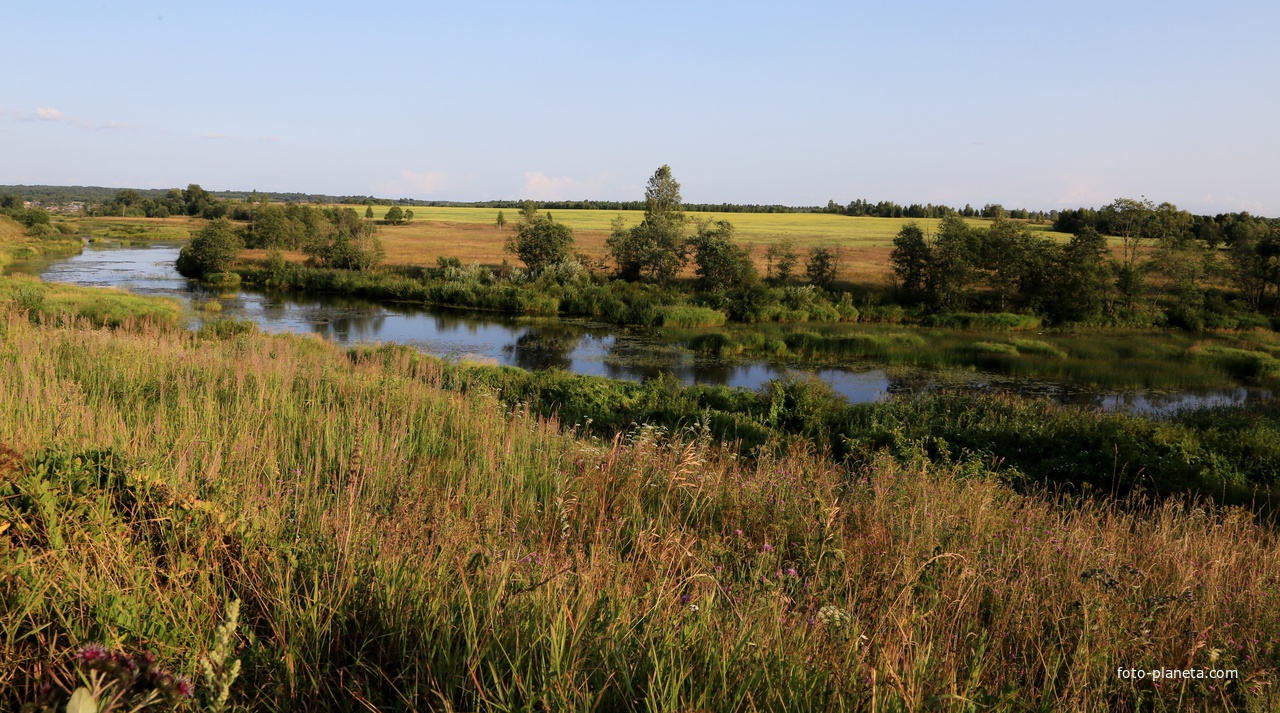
805,229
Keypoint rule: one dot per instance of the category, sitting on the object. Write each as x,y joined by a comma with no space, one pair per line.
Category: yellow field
471,235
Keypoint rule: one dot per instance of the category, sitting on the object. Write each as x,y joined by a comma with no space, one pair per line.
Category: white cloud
539,186
411,183
96,126
45,113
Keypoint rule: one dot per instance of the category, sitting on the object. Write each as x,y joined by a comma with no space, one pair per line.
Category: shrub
689,316
213,249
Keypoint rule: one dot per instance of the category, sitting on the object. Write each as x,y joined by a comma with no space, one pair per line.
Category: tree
910,259
395,216
341,240
408,215
1079,278
780,260
540,242
656,247
1134,222
823,266
214,248
951,264
721,265
501,222
368,213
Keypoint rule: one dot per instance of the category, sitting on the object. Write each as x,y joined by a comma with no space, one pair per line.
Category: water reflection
576,346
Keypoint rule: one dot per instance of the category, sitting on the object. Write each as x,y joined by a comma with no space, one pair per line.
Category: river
578,346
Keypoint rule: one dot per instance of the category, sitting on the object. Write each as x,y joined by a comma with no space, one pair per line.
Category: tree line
330,238
1167,262
889,209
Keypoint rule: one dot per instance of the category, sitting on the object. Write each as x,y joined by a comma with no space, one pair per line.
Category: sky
1040,105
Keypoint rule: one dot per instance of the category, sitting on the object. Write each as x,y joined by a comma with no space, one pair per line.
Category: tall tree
910,259
656,247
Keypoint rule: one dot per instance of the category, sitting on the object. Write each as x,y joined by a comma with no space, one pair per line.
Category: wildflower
833,617
693,607
766,547
685,599
93,653
791,572
183,687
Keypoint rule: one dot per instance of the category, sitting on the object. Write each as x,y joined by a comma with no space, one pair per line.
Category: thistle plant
217,672
113,681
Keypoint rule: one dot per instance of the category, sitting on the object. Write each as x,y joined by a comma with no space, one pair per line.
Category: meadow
471,235
403,537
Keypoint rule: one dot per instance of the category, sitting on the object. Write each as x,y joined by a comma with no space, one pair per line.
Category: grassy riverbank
1102,357
399,542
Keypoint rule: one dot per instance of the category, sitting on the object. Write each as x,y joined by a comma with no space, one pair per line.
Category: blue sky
1042,105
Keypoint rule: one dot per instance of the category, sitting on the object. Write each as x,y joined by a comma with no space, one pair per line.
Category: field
471,235
399,546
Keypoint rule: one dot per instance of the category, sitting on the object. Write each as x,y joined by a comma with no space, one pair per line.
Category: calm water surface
578,346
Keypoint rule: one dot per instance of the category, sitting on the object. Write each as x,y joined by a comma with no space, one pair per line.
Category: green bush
690,316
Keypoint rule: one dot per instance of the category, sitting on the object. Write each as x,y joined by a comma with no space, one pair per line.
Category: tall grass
102,307
401,547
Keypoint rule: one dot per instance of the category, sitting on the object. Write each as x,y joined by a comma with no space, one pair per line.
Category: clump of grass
1035,346
1001,348
418,548
686,316
1244,364
102,307
226,328
983,320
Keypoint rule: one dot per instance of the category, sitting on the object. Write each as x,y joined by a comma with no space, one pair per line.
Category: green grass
15,244
806,229
99,306
1107,358
135,230
398,546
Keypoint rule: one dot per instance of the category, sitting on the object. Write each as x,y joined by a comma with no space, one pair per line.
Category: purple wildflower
93,653
766,547
184,687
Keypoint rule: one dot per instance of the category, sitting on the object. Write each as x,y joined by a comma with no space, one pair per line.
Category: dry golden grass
471,235
420,549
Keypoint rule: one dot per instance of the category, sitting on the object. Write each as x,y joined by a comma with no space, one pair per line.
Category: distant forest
194,200
99,195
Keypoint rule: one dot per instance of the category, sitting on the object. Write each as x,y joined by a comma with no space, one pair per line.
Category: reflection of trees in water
545,347
344,327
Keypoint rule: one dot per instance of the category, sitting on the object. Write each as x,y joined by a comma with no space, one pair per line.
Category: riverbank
395,529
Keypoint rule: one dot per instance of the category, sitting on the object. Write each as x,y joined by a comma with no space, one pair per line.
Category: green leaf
82,701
